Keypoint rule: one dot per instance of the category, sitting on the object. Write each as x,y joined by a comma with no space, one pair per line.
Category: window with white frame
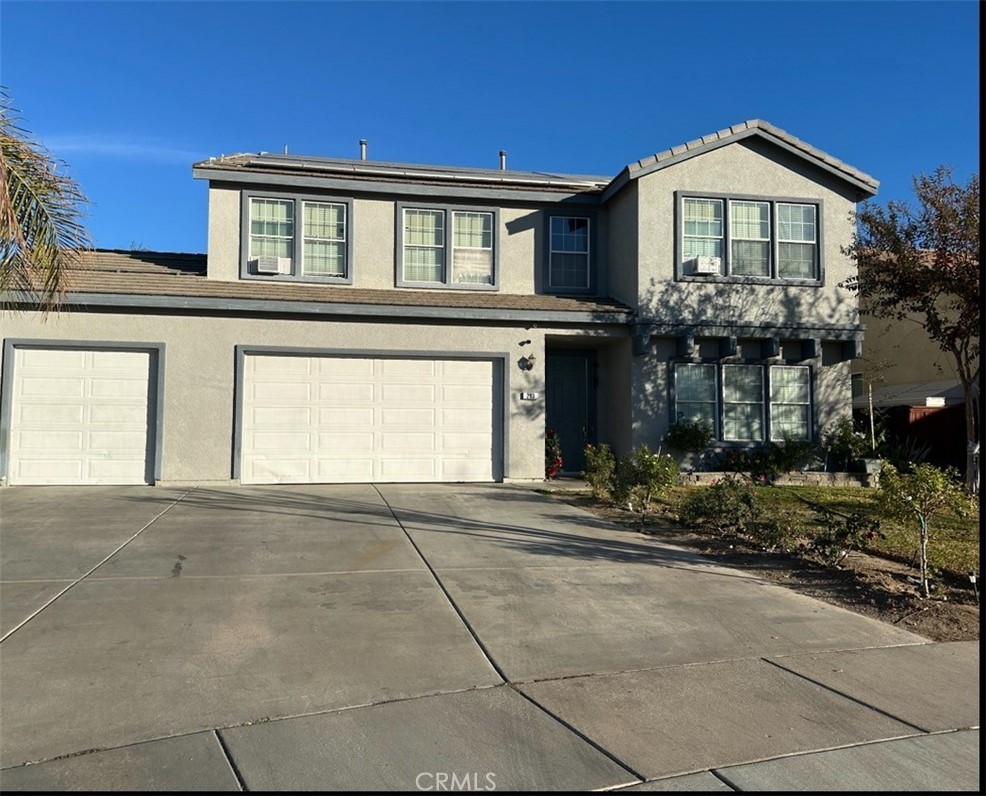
749,237
279,247
790,403
430,234
568,257
695,393
741,402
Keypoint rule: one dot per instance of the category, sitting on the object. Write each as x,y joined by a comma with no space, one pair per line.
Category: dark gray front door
569,392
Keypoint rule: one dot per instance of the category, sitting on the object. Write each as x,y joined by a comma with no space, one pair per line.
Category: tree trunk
923,524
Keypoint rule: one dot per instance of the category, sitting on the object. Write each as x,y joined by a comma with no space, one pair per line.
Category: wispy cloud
119,148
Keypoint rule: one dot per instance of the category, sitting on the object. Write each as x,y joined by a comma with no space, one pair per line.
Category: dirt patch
867,584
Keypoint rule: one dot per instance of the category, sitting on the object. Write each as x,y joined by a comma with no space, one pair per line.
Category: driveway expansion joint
844,695
85,575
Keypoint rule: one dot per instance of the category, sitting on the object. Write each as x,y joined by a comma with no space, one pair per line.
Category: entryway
570,403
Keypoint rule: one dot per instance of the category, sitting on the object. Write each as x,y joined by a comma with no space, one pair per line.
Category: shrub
689,436
843,443
780,531
600,468
552,454
792,454
840,534
641,476
918,496
728,504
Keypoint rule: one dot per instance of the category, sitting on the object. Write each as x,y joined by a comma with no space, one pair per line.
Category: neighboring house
915,385
370,321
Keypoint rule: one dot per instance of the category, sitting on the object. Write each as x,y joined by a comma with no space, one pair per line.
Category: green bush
689,436
600,469
844,443
641,476
840,534
729,504
780,531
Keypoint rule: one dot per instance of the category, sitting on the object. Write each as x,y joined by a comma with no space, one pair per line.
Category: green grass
954,542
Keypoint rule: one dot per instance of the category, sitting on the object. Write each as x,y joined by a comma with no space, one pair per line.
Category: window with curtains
296,238
447,247
745,403
748,237
568,253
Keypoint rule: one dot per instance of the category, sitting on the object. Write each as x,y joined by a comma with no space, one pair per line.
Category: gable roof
298,168
754,127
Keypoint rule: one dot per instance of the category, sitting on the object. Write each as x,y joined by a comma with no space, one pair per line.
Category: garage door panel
346,367
278,366
345,393
53,471
466,394
387,419
118,414
52,414
282,416
49,440
405,416
408,393
119,442
281,391
354,441
48,388
49,358
349,470
118,388
345,417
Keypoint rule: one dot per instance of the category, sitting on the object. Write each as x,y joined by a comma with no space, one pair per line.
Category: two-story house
357,320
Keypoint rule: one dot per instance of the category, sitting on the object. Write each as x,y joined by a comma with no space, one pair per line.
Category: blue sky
131,93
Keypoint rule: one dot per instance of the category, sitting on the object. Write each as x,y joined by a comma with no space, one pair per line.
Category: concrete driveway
395,637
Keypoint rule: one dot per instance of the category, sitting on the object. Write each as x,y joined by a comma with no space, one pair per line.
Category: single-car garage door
80,416
332,419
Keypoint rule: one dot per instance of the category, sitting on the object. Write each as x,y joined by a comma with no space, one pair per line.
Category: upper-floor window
748,237
568,253
444,247
297,238
745,403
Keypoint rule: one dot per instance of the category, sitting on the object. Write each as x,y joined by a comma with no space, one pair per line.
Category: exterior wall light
527,363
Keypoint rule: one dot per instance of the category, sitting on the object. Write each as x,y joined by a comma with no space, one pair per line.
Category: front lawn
954,543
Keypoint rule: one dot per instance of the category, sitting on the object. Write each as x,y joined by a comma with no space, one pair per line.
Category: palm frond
41,228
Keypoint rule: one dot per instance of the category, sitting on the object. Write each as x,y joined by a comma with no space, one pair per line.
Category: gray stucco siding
521,251
749,168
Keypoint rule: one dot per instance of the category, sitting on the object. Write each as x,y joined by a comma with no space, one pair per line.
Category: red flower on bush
552,454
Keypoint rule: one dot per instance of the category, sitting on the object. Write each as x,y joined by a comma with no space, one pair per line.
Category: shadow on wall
732,306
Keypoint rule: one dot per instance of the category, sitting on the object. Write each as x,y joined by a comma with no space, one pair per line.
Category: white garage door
343,419
79,417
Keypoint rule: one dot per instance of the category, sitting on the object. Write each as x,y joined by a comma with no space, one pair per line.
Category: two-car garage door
310,419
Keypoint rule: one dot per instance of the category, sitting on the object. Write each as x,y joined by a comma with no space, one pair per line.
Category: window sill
443,286
291,279
749,280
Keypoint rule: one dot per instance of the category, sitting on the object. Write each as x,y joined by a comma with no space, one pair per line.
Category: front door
569,393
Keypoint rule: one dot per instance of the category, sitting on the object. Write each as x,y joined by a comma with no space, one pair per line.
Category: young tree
920,495
41,230
922,264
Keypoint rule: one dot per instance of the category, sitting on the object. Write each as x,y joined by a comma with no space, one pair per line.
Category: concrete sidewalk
350,638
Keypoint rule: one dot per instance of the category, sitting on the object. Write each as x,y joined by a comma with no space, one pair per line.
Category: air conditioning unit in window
707,265
271,265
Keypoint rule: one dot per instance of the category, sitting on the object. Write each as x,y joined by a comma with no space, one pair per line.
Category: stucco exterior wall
622,217
199,372
755,168
522,240
900,352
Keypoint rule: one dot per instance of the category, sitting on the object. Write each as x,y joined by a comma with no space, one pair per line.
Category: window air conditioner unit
271,265
707,265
